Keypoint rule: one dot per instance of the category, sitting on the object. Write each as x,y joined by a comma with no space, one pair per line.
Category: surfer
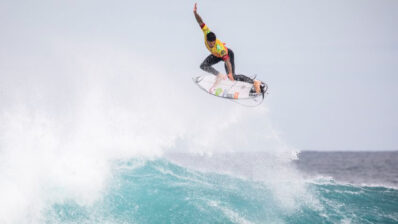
220,52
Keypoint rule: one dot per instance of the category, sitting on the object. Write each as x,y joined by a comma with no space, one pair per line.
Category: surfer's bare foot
256,85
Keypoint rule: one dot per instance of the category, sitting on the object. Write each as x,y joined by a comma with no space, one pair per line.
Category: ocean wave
160,191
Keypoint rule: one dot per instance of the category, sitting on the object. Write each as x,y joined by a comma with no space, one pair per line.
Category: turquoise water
159,191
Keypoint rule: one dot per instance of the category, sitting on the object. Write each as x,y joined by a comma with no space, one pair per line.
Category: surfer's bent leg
208,62
242,78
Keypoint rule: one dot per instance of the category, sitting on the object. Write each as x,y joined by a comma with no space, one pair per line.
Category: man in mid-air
220,52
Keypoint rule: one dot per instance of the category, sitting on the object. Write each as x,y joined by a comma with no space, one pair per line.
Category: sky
331,67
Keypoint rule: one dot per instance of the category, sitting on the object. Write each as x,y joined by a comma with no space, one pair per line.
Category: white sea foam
60,129
328,180
234,217
52,151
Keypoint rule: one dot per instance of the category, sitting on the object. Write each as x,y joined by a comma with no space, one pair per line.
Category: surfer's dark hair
211,36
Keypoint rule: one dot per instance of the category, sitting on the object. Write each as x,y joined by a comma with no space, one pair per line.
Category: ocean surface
317,187
359,168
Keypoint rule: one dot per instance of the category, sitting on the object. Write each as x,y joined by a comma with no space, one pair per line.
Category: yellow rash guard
219,50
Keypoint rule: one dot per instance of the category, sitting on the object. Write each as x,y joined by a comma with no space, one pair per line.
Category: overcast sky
331,66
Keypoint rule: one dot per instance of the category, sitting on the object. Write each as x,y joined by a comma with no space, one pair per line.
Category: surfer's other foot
256,85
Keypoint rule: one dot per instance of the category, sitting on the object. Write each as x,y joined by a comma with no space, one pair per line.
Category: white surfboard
226,88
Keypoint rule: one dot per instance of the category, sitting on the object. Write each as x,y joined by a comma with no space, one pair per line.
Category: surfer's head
211,39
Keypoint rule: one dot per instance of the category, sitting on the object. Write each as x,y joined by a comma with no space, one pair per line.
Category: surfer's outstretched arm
198,18
229,68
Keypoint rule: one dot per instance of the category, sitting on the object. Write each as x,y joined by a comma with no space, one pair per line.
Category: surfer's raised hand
198,18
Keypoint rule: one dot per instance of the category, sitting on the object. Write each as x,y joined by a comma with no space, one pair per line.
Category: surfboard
235,90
